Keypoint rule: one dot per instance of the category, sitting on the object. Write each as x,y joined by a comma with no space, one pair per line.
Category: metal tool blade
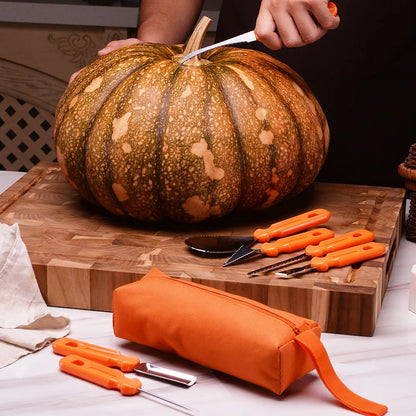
165,374
245,37
217,244
278,265
243,253
188,409
288,274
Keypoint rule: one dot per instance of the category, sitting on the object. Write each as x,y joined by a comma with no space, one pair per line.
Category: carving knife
244,38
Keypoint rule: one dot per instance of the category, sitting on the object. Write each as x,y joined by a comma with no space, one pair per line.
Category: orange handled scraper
339,258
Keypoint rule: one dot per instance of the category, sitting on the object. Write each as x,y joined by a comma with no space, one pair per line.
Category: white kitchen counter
381,368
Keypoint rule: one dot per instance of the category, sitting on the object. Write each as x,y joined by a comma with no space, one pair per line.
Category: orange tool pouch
228,333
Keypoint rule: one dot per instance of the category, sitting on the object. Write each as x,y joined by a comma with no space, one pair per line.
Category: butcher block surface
80,254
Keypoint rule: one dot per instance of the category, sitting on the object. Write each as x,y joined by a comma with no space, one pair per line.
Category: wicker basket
407,170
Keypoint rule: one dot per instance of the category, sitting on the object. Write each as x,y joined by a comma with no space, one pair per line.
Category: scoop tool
283,245
353,238
113,358
223,245
339,258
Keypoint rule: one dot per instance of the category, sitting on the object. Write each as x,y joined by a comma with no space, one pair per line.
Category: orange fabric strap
316,350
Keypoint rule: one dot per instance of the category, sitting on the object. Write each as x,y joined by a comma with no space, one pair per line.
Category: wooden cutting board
80,254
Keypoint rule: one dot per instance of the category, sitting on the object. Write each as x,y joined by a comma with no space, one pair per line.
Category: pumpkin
231,130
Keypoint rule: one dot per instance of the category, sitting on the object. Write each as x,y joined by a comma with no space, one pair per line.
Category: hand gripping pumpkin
233,129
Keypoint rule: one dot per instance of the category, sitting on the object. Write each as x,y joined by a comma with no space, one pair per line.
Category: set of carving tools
96,364
321,247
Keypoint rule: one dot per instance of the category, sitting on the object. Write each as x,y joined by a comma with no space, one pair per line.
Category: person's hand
115,44
293,23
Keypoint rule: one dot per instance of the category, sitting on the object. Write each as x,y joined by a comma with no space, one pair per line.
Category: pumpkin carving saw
231,130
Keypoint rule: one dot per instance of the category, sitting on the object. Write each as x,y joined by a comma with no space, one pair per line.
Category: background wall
43,42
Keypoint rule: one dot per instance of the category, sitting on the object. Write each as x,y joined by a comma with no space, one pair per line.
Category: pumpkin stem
197,37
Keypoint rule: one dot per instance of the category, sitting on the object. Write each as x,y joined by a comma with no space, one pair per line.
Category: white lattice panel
26,135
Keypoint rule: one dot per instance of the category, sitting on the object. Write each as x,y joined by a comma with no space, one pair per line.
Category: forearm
167,21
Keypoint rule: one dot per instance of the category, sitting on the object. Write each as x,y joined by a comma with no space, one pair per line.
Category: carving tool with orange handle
244,38
353,238
113,358
229,244
339,258
107,377
283,245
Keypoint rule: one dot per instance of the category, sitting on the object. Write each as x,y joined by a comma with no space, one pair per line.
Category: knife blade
244,38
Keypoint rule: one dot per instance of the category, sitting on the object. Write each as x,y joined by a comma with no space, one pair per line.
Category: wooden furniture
80,254
42,43
27,104
38,55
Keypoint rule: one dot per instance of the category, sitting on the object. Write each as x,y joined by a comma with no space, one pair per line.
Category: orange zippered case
228,333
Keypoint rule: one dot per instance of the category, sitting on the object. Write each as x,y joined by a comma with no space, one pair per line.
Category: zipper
281,318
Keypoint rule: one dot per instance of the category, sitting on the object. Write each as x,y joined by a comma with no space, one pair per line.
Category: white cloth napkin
25,322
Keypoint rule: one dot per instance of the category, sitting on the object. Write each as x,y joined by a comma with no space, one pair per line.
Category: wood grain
31,85
80,254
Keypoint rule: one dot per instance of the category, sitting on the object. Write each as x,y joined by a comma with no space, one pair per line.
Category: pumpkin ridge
159,135
229,106
272,148
91,123
107,144
289,110
214,84
303,143
206,135
296,78
79,84
103,64
145,69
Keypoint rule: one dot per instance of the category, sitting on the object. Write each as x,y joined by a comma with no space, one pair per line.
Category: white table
381,368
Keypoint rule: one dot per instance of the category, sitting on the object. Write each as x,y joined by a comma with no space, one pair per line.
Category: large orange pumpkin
144,136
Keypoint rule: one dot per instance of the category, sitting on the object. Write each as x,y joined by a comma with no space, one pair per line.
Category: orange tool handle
292,225
353,238
348,256
96,373
333,8
295,242
105,356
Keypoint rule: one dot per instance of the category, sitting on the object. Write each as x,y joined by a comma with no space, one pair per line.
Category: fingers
74,75
115,44
293,23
